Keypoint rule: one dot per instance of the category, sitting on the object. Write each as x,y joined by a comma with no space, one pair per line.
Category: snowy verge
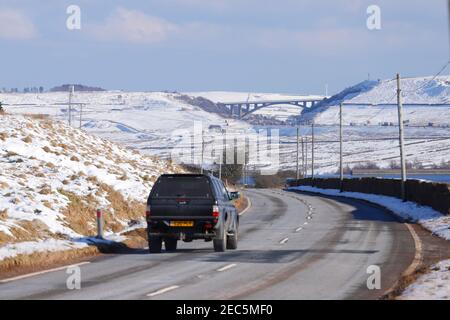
12,250
434,285
429,218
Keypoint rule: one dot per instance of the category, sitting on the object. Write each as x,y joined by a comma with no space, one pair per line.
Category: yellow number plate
181,223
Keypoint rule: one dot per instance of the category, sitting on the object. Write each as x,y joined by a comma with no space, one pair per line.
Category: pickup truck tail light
215,211
148,212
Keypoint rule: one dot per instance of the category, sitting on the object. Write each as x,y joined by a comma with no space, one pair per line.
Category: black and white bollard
99,224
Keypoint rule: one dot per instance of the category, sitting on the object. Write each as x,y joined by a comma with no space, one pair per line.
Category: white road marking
42,272
248,207
227,267
284,240
299,229
161,291
418,254
305,223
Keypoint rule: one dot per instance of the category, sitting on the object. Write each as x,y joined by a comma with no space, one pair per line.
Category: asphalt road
291,246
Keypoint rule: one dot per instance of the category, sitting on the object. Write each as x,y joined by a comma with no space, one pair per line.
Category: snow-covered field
427,132
433,285
45,166
143,120
149,121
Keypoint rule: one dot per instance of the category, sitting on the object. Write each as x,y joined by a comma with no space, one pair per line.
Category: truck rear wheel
170,244
154,244
220,244
232,241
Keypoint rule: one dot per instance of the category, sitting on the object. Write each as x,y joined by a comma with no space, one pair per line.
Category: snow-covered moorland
53,178
426,101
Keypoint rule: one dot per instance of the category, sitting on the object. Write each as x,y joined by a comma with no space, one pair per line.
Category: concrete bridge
243,109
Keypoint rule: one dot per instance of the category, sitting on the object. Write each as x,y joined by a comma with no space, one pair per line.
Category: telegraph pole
341,157
306,156
203,146
71,89
401,138
81,113
220,164
298,154
312,150
303,158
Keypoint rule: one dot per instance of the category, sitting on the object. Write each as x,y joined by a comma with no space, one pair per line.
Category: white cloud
15,25
133,26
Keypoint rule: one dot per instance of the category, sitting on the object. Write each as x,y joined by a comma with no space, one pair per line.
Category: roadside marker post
99,224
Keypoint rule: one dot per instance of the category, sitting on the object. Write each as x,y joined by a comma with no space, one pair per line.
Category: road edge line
417,260
29,275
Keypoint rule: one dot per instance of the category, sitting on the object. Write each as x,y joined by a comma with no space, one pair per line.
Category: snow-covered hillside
430,99
149,121
142,120
53,178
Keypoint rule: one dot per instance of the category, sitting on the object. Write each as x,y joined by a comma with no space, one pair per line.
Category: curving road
292,246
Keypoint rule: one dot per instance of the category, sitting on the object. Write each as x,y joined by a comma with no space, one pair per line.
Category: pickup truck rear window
182,187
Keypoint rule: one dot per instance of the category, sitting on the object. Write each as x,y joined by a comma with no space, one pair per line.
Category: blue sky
291,46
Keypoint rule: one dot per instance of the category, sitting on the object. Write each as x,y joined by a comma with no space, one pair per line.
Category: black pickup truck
188,207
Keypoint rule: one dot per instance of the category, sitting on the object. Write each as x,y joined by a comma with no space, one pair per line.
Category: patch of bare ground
123,210
36,116
27,139
3,214
136,238
80,213
4,238
3,136
241,203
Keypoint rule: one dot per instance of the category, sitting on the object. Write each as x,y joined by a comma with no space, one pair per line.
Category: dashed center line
161,291
285,240
299,229
227,267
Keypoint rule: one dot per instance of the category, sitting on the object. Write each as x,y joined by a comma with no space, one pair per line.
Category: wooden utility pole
303,159
81,113
298,153
203,146
312,150
220,164
341,156
71,89
401,139
306,156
